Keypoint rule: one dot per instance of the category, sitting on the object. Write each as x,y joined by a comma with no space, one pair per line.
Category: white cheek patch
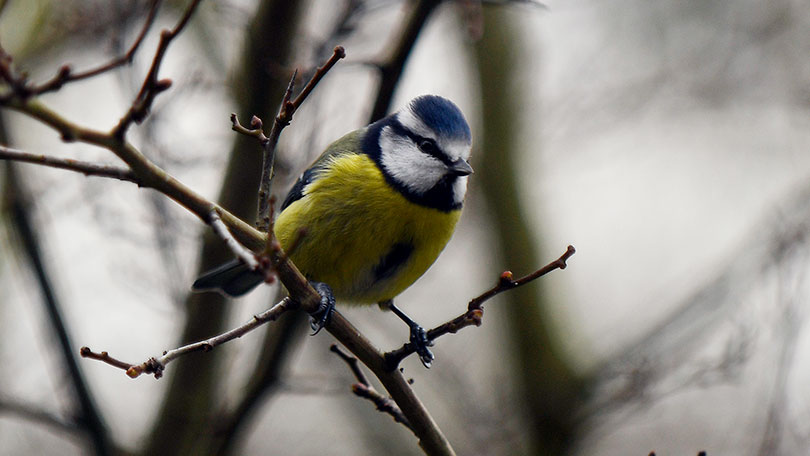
408,165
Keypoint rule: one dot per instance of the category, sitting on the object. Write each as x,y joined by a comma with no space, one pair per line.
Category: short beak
460,167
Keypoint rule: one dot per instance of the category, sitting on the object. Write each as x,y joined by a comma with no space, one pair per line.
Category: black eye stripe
428,146
433,149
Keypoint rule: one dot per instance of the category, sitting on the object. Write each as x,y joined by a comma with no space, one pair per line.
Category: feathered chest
360,235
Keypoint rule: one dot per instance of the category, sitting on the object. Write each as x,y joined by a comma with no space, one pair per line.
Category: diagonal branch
156,366
430,436
364,389
84,167
146,172
151,85
221,230
475,310
282,119
65,75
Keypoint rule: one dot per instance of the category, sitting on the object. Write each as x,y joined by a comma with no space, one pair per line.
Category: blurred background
666,140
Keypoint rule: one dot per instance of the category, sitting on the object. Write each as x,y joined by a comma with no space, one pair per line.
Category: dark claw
419,338
321,317
420,342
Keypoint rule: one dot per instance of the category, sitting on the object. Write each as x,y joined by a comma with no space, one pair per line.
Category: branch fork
156,365
270,143
475,310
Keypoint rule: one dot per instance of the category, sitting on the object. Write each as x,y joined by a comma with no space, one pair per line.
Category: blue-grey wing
350,143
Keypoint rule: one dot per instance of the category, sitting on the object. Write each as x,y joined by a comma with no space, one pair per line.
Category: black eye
428,146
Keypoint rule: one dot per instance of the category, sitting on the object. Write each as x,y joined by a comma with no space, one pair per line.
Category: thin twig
65,75
364,389
104,357
255,129
86,168
156,366
475,311
507,283
151,85
269,144
282,119
221,230
337,53
354,365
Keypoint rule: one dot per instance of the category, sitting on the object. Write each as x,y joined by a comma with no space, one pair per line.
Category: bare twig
282,119
475,311
147,173
86,168
22,89
337,53
255,129
352,362
104,357
156,366
66,75
364,389
507,283
244,255
151,85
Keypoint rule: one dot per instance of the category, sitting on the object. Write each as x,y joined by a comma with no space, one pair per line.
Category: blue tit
375,209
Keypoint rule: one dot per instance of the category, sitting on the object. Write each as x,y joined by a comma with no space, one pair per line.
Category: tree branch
431,438
221,230
151,85
157,365
65,75
86,168
282,119
364,389
475,311
147,173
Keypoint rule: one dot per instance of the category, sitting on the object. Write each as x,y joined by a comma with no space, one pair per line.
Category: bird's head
423,150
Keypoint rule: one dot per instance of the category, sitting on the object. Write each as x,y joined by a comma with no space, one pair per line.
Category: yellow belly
362,237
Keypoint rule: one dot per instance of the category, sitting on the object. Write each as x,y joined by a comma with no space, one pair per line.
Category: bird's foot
420,342
320,318
419,337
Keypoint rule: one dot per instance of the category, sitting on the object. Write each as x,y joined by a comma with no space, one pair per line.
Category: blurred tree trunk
186,419
544,377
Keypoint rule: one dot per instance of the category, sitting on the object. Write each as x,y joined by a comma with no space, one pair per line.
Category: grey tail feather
233,278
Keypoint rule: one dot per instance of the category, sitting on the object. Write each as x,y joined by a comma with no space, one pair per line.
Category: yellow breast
361,236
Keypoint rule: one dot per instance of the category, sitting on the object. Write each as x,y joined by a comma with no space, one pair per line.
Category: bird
373,212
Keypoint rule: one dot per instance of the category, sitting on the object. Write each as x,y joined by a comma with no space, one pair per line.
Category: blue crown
443,116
